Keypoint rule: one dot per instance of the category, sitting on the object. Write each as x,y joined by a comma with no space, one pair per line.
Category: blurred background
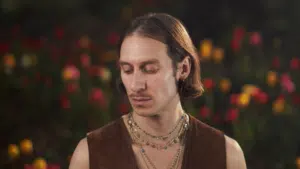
58,73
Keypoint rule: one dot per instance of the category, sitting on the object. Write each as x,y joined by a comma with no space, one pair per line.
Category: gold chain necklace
165,137
139,140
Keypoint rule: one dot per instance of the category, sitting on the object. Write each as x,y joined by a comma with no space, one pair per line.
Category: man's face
147,74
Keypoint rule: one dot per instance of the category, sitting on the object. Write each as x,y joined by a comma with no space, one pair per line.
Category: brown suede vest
110,147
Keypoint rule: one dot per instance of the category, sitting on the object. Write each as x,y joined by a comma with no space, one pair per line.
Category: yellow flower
9,60
218,54
26,146
243,99
225,85
105,74
271,78
206,49
39,163
298,162
278,106
13,151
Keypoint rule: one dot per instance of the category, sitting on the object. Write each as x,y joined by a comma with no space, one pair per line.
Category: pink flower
97,95
71,72
255,38
204,112
287,84
85,60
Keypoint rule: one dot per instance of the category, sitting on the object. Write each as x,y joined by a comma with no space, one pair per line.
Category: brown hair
170,31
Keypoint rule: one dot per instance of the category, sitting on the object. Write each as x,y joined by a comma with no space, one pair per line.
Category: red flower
296,99
59,33
276,62
4,48
72,87
65,102
231,115
235,45
295,63
234,99
261,97
208,83
113,38
204,112
280,97
238,33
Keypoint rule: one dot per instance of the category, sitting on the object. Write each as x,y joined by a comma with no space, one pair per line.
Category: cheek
164,85
125,80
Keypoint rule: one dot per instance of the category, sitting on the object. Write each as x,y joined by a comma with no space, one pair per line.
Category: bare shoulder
80,157
234,154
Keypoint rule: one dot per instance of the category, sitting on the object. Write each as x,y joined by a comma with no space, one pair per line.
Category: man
159,68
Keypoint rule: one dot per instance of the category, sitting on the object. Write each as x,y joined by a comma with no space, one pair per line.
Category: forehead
136,49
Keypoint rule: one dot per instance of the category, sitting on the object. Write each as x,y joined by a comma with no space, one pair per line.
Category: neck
163,122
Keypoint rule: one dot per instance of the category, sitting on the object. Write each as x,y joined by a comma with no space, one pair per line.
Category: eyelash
144,70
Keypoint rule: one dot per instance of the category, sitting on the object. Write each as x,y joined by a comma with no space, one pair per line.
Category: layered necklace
137,134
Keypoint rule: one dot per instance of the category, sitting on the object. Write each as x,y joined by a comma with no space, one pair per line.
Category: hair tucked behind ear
170,31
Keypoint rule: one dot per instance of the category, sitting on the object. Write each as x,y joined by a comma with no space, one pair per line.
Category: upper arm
234,155
80,157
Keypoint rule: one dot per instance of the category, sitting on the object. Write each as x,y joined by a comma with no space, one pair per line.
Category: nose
138,83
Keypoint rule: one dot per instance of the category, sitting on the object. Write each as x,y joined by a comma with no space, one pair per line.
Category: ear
184,68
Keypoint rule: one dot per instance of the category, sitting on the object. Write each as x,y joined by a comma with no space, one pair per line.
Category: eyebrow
151,61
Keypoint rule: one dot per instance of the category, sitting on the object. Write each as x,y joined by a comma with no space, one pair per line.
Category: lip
138,100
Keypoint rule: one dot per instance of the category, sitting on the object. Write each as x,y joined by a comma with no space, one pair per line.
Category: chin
144,112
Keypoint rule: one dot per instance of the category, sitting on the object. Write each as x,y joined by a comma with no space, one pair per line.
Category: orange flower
206,48
218,54
278,106
271,78
225,85
26,146
9,60
84,42
13,151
